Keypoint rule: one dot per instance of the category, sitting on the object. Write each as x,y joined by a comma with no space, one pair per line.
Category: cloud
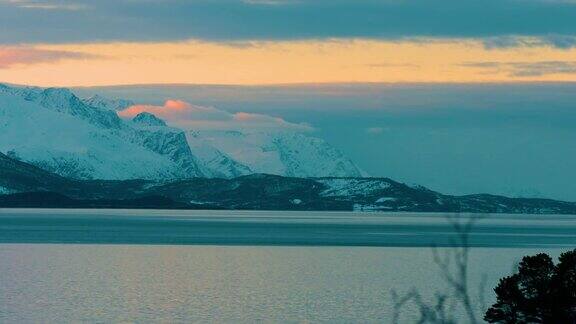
392,65
45,4
185,115
22,55
556,41
375,130
526,69
245,20
269,2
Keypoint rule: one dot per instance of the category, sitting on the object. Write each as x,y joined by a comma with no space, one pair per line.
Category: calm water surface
279,228
305,281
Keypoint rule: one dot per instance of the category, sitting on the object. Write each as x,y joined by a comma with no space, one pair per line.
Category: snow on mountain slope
152,133
343,187
64,101
219,164
55,131
281,153
85,139
196,159
107,103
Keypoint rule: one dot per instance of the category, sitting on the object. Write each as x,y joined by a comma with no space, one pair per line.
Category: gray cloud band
498,22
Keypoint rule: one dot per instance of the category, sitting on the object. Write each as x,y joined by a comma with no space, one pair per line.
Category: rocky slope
16,176
107,103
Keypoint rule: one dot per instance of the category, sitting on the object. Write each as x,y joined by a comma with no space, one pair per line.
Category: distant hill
25,185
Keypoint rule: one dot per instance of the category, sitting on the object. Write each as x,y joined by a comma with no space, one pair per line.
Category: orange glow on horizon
257,63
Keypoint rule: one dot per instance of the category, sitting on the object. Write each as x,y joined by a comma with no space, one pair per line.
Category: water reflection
127,283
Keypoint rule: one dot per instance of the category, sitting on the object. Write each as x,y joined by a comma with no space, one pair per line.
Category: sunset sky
105,42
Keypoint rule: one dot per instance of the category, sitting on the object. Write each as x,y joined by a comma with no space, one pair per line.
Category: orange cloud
274,62
177,105
185,115
21,55
251,118
243,116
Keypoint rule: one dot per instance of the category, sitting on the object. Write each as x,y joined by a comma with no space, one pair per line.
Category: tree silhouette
540,292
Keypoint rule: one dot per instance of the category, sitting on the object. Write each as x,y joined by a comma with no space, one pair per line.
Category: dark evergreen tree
540,292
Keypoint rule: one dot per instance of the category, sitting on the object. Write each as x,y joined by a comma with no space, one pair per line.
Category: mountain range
57,150
86,139
25,185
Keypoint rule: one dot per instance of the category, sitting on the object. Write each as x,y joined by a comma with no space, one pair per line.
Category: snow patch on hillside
385,199
5,191
342,187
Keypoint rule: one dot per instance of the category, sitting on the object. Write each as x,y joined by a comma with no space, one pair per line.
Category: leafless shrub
453,264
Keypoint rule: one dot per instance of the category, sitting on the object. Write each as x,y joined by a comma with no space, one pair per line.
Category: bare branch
454,269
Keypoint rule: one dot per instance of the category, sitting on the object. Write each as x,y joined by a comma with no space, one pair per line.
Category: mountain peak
101,102
148,119
63,93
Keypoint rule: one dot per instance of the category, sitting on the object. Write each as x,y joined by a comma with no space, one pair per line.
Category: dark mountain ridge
25,185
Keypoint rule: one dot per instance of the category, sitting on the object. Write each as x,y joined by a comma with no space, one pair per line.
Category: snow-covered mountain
55,130
85,139
277,152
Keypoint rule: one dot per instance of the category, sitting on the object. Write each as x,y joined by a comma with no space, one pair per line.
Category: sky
106,42
462,96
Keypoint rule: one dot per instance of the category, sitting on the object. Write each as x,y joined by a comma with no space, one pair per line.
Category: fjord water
93,226
325,267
